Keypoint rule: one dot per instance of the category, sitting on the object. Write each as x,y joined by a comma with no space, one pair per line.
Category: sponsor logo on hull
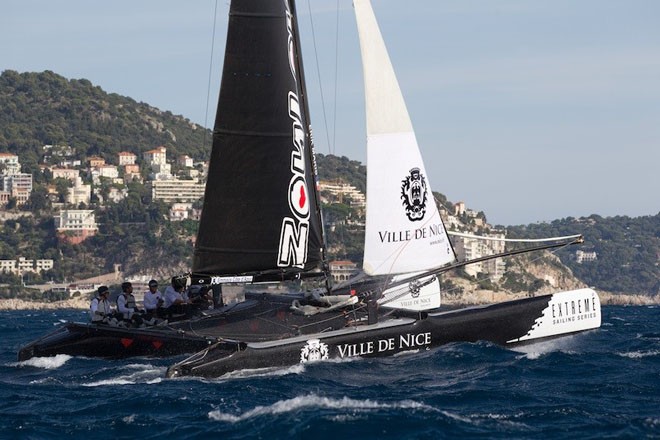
315,350
567,312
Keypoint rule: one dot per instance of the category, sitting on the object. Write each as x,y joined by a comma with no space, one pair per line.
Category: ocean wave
639,354
313,401
540,349
146,374
265,372
47,363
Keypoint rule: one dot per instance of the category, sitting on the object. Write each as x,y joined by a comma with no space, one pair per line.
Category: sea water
604,383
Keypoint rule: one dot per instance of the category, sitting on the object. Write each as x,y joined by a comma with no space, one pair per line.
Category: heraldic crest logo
314,350
414,195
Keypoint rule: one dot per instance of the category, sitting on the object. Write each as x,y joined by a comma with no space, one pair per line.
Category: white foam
639,354
313,401
266,372
147,374
47,363
534,351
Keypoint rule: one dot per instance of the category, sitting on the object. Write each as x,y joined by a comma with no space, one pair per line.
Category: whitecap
146,374
313,401
47,363
538,349
639,354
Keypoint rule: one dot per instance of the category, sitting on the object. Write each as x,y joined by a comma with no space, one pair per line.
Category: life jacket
129,304
102,306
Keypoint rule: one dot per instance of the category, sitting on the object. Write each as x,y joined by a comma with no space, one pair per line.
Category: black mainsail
261,213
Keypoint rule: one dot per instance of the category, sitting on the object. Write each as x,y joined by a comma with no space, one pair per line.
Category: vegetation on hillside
627,249
44,108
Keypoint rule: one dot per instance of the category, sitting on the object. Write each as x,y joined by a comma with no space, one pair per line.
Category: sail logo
314,350
414,195
294,233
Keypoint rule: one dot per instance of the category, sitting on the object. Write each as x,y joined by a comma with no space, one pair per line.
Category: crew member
99,308
126,305
153,301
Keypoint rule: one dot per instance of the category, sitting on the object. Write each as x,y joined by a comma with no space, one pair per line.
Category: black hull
511,323
262,318
91,340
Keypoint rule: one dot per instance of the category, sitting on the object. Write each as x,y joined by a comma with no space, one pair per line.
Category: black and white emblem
314,350
413,194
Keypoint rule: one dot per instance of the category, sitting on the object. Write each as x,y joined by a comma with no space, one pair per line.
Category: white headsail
404,232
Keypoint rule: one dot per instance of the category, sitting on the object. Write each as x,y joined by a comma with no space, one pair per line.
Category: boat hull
512,323
260,318
91,340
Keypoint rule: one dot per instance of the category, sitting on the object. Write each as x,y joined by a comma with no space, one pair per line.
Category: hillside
627,250
44,108
38,109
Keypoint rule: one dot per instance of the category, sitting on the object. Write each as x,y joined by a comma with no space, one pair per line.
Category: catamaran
261,220
261,223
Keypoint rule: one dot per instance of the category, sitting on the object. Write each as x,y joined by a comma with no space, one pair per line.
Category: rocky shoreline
478,297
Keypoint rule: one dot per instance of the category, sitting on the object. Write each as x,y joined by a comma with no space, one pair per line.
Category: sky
527,110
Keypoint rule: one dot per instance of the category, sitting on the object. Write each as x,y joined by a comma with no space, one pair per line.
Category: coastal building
157,156
175,190
10,164
22,265
185,161
180,211
18,186
468,248
340,192
582,256
132,172
65,173
95,162
75,225
79,193
342,270
126,158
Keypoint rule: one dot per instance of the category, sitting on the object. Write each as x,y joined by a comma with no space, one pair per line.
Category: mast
310,143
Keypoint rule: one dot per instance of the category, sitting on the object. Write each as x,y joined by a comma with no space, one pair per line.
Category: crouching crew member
176,301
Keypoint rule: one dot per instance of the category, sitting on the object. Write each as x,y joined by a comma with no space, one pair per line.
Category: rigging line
318,73
334,107
532,260
513,240
208,87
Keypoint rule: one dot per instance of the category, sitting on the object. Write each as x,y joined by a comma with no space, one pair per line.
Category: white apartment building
468,248
75,219
157,156
126,158
79,193
18,186
342,270
175,190
65,173
22,265
75,225
582,256
180,211
344,193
